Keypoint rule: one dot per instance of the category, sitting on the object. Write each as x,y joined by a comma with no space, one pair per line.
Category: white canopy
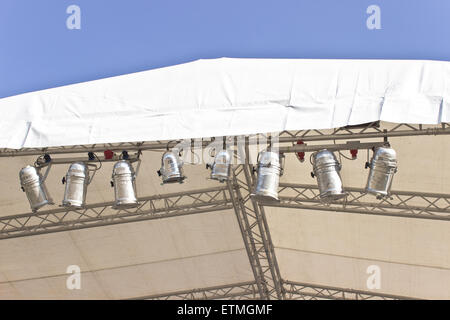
226,96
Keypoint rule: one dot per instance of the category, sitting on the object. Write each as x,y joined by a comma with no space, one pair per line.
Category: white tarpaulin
226,96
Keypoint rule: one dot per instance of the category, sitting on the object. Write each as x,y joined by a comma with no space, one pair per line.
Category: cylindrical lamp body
124,181
326,169
383,166
269,172
220,170
77,180
34,187
171,168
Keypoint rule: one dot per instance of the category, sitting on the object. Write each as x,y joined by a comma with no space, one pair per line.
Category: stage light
171,168
269,172
33,184
76,180
124,183
220,169
383,166
326,168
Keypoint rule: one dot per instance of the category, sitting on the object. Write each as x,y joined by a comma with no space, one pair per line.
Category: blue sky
37,51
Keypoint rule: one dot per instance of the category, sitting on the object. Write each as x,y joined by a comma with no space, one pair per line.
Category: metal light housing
269,171
124,183
221,168
171,168
326,169
33,184
383,166
77,181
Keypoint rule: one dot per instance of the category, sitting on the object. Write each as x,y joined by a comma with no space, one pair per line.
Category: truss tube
101,214
350,133
294,290
265,236
362,190
306,291
260,253
239,209
231,291
330,147
357,211
285,137
255,225
436,206
61,226
287,200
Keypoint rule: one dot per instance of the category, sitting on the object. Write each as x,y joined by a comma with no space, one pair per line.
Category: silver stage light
269,172
76,180
33,184
383,166
171,168
220,169
124,183
326,168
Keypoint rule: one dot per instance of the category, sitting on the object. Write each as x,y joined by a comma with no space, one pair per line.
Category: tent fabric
228,96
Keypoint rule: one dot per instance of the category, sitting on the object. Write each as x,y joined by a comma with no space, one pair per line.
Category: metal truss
331,147
250,215
255,233
249,242
293,291
304,291
366,131
237,291
102,214
407,204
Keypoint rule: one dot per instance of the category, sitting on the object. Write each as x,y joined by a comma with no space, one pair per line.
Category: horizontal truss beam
331,147
293,291
304,291
102,214
367,131
406,204
243,290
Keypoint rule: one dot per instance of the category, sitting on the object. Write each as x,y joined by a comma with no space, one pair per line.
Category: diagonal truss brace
243,290
101,214
255,232
249,242
408,204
